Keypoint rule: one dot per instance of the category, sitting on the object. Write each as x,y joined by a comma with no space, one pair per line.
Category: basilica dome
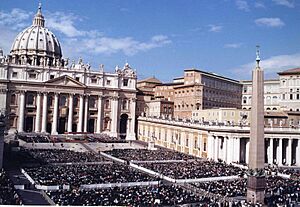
36,45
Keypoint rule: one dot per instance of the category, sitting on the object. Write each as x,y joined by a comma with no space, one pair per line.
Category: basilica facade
45,93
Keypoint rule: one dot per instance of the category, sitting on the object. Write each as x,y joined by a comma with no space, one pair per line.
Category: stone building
290,90
272,95
145,93
228,143
47,93
160,108
203,90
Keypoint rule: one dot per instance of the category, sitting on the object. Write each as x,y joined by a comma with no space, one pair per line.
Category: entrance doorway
91,125
62,125
29,124
123,126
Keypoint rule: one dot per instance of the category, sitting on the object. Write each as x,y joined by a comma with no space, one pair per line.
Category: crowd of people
162,195
34,138
76,175
278,191
194,169
228,188
64,156
8,194
149,155
105,138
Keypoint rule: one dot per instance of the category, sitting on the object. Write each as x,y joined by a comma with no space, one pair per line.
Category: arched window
107,104
13,99
124,104
30,99
75,101
92,103
62,101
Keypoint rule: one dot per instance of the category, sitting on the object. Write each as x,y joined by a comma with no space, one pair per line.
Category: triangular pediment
65,81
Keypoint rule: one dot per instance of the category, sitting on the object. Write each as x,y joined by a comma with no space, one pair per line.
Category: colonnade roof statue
256,179
37,42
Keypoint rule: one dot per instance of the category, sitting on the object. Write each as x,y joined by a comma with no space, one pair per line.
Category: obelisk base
256,189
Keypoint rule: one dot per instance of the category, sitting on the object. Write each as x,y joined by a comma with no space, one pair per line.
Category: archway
91,126
62,125
123,126
106,124
29,124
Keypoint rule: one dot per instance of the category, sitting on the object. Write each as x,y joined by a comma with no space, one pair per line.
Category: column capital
21,91
133,99
115,98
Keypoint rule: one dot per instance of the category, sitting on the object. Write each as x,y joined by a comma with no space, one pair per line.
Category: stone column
279,152
247,151
100,115
229,149
216,148
210,146
298,153
225,149
271,153
289,153
2,128
114,116
21,111
45,112
38,113
55,115
70,113
237,149
131,134
86,111
80,118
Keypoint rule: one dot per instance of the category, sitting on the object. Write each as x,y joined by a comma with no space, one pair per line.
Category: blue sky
161,38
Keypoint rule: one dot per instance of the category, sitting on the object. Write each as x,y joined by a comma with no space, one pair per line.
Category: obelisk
256,176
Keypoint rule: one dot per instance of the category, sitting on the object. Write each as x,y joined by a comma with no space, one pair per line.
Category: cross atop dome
39,18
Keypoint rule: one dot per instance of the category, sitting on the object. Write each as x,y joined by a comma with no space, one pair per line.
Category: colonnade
229,144
280,151
42,117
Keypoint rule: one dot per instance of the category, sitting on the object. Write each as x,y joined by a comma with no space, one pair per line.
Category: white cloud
286,3
215,28
242,5
127,45
259,4
74,41
270,22
272,65
233,45
16,19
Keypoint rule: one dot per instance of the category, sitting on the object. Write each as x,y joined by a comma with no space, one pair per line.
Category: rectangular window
204,146
291,96
32,75
51,76
77,78
14,74
94,80
125,82
108,82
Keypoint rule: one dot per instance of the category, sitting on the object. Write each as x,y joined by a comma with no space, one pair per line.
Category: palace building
44,92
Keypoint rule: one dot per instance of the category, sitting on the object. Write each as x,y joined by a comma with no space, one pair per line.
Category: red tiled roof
290,71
